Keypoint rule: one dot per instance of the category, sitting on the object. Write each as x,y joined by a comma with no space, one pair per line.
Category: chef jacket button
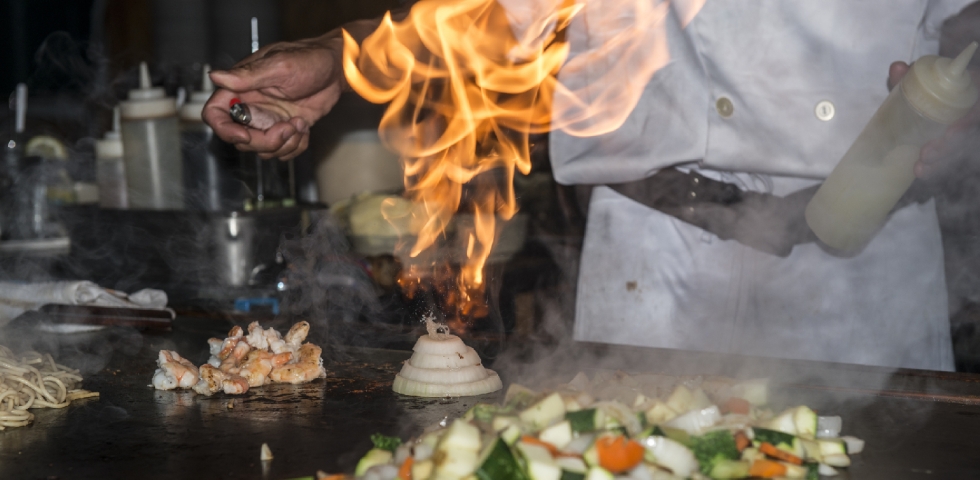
725,107
825,110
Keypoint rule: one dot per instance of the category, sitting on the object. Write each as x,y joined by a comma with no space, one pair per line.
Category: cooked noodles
33,380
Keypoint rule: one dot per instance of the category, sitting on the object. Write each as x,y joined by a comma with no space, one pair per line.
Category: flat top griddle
134,431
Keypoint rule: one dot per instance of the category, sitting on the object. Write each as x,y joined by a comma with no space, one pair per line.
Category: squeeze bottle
209,163
110,168
151,148
854,201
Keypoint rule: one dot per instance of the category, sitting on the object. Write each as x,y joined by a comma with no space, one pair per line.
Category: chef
760,99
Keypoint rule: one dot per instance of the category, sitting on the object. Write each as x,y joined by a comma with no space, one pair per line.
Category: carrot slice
736,405
771,450
766,469
405,472
742,441
617,454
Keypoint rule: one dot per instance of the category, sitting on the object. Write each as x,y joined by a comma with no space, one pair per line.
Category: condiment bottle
13,153
151,148
110,168
854,201
209,182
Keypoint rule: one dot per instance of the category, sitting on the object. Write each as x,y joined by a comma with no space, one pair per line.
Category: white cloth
16,298
648,279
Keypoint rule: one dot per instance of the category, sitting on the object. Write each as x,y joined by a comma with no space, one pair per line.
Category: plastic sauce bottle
854,201
151,148
209,182
110,168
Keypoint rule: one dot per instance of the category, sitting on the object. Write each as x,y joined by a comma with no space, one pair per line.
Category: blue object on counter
245,304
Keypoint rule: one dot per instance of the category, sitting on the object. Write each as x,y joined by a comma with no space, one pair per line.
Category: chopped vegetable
405,471
540,464
568,434
742,441
714,447
854,444
484,412
545,412
265,453
766,469
771,450
586,420
559,434
373,457
528,439
499,463
696,421
670,454
755,391
730,469
736,405
617,454
829,426
385,442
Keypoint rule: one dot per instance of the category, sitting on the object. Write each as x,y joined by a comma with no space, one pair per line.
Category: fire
465,91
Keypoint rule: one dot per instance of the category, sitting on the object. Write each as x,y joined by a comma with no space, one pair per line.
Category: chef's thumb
235,80
896,71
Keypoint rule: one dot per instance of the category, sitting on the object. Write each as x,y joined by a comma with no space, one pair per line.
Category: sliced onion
444,376
696,421
854,444
466,358
439,344
489,384
829,427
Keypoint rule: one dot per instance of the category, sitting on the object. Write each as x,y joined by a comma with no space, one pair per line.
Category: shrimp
257,366
232,363
294,338
235,385
265,339
211,380
222,349
174,372
308,366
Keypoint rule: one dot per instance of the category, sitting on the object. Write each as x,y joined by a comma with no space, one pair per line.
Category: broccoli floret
712,447
385,442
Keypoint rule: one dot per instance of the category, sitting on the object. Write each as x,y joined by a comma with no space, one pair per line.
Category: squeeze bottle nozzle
941,88
191,111
20,108
111,145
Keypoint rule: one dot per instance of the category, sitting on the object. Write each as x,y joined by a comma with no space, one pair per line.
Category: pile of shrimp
241,361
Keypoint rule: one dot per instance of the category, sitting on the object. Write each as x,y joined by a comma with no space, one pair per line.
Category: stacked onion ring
443,366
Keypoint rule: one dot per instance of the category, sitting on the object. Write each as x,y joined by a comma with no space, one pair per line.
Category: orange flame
465,91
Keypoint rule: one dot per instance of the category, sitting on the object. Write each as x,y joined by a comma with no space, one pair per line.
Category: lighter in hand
252,117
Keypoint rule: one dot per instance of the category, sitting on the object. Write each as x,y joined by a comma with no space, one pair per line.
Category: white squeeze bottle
854,201
110,169
151,148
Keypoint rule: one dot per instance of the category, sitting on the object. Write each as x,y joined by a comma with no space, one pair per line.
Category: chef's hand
296,82
937,153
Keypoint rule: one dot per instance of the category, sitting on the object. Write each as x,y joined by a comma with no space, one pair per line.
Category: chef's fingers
304,143
287,150
896,71
295,144
290,70
216,115
267,142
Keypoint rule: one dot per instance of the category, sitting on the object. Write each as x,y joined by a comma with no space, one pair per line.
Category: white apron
648,279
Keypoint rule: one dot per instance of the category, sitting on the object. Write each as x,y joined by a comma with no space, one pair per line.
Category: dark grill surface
925,426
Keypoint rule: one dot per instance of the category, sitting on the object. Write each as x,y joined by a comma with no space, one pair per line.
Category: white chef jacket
767,94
